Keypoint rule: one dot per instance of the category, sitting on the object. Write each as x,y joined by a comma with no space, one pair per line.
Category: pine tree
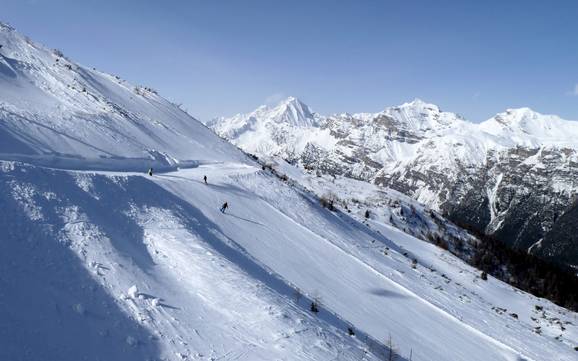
314,307
484,276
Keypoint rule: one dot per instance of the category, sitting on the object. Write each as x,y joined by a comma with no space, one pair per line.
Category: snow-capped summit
419,103
290,111
294,112
529,128
419,115
267,128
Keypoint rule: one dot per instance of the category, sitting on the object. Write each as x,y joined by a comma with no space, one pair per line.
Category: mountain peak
420,104
294,112
290,112
418,115
523,111
523,115
292,102
530,128
290,99
417,101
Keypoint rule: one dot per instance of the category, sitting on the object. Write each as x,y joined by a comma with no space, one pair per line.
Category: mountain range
513,176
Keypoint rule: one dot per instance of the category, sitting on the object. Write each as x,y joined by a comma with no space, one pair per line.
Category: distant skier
225,206
205,179
150,172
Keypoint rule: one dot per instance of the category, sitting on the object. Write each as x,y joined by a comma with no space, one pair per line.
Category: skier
225,206
150,172
205,179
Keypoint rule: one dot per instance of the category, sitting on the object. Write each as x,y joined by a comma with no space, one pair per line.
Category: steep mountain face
58,113
283,129
513,176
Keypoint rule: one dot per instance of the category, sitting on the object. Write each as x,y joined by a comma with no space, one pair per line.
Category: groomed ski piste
99,262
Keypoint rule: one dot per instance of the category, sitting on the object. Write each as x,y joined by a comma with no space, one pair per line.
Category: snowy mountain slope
118,265
58,113
389,209
368,201
493,176
75,244
114,267
199,290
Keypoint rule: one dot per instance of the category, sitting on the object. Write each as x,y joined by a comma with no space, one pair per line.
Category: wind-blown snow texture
99,262
514,175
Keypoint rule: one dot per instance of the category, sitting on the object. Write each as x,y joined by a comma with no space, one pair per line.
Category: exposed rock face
514,176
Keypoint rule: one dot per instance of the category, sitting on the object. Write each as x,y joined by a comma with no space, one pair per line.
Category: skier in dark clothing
225,206
150,172
205,179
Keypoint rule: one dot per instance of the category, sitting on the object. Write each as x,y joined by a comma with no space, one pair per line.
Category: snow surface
99,261
192,281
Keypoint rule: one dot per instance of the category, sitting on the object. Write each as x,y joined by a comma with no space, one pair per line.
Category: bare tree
391,349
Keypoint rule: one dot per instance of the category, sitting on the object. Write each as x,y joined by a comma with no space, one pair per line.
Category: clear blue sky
216,57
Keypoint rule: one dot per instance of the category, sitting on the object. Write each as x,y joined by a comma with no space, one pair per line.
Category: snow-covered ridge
513,127
59,113
394,137
526,127
415,131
